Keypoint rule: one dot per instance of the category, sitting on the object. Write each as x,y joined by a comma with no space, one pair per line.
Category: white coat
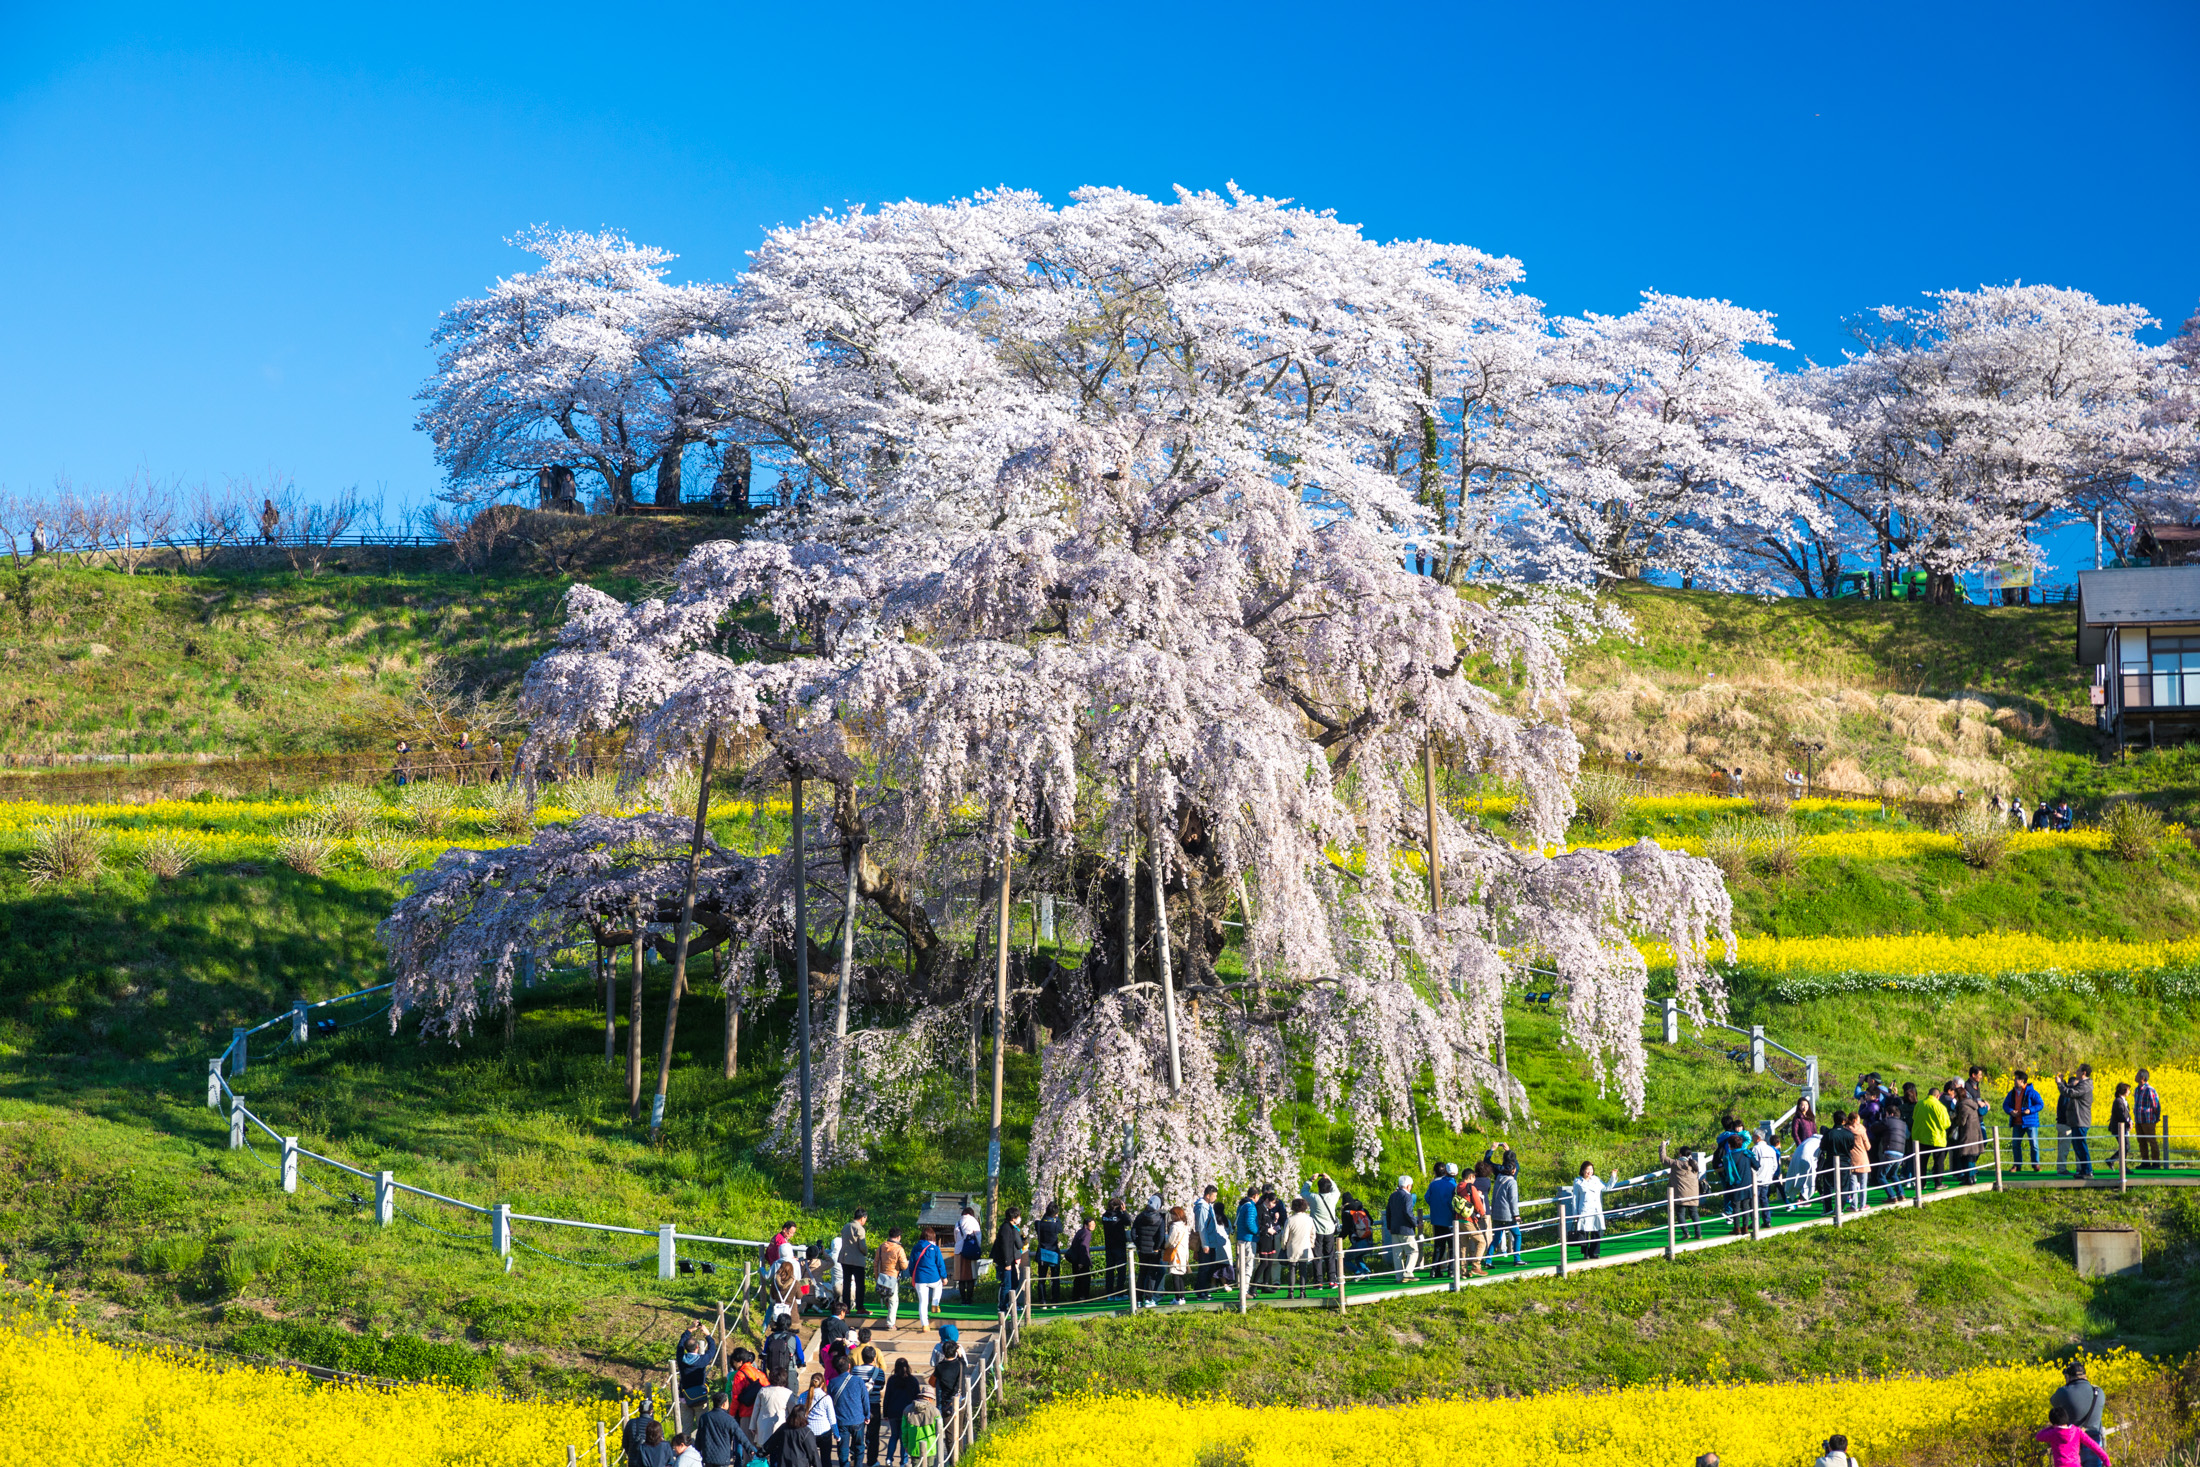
1585,1203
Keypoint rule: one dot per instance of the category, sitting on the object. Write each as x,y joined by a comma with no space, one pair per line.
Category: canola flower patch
60,1385
1940,963
1747,1424
1875,845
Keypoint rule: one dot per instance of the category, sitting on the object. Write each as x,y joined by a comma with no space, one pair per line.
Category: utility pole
802,995
1000,1037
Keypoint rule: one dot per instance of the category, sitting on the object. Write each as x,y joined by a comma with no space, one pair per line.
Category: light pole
1810,753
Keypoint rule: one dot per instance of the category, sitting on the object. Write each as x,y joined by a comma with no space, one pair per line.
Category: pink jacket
2063,1442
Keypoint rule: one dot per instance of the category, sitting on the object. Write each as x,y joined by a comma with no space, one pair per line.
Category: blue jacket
2023,1107
1248,1221
851,1395
1207,1224
928,1267
1439,1201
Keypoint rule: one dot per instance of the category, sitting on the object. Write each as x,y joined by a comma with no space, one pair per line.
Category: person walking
1929,1124
2146,1114
1149,1235
1115,1232
927,1276
899,1396
1585,1210
1080,1261
1804,1123
1356,1225
1687,1173
1802,1169
717,1434
1179,1250
1212,1237
1046,1237
893,1261
1321,1208
2067,1443
2023,1106
782,1351
874,1381
949,1372
1296,1249
921,1427
1402,1230
1735,1168
1766,1159
855,1260
815,1406
969,1249
1008,1260
851,1396
769,1421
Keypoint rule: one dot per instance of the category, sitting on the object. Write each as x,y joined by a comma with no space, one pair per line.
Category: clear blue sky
227,233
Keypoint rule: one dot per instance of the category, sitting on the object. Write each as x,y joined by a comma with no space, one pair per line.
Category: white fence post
1046,919
236,1123
290,1163
667,1254
1672,1021
213,1084
1810,1079
1756,1049
500,1228
1672,1227
301,1028
1996,1134
385,1198
238,1044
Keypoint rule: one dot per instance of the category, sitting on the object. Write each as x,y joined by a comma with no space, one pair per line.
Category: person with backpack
744,1385
927,1276
782,1354
2023,1106
969,1249
1008,1261
949,1374
634,1435
921,1425
1115,1235
1359,1234
1149,1235
899,1396
1402,1230
1735,1165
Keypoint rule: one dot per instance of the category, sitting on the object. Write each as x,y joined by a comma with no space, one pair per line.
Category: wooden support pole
1672,1223
1996,1134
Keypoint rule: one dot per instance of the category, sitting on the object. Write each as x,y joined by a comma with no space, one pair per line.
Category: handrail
439,1197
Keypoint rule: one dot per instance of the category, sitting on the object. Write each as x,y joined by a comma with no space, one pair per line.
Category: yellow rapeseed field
1748,1425
64,1394
1985,954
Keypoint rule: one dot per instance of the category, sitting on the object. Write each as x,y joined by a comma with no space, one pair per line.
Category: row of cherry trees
1609,445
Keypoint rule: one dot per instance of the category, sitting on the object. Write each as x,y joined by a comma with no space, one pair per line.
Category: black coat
1114,1226
1149,1230
793,1445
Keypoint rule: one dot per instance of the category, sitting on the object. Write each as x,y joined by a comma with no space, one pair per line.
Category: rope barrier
407,1214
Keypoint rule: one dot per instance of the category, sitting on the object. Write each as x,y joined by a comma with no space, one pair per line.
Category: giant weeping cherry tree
1102,589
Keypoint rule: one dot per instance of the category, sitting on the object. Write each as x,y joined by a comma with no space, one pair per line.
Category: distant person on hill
1441,1217
1008,1259
1804,1124
1833,1158
1734,1167
1966,1133
2016,812
1079,1258
1908,1103
855,1258
887,1269
968,1250
1687,1169
1767,1159
1211,1234
1357,1226
1178,1251
1271,1215
1585,1209
1836,1449
1802,1168
2023,1106
1471,1204
2146,1114
1929,1124
1149,1235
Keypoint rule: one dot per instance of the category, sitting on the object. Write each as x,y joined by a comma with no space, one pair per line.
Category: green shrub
1600,799
1776,846
65,850
348,809
1727,844
172,1255
387,1357
1982,835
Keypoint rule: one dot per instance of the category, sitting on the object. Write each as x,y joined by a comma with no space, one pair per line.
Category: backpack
1740,1164
1363,1227
920,1432
779,1355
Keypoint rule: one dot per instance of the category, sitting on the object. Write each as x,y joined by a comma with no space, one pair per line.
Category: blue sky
229,231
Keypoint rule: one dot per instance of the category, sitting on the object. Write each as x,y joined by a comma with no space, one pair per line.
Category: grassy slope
112,1177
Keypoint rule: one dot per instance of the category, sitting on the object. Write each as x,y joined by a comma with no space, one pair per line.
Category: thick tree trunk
668,472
